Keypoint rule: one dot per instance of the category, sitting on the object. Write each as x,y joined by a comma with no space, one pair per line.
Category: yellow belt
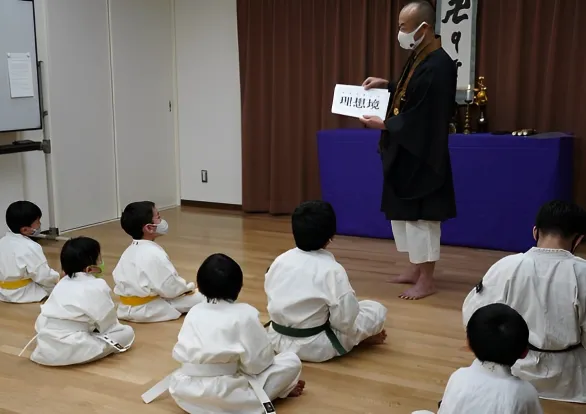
14,284
136,300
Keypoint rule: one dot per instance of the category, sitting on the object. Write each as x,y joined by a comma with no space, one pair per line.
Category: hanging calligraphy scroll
457,27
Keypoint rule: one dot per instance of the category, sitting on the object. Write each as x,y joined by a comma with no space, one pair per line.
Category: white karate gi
304,289
22,258
548,288
145,270
223,333
488,388
67,325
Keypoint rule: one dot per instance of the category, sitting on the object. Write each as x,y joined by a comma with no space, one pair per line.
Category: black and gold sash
415,60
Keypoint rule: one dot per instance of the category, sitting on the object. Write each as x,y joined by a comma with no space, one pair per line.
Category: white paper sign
355,101
457,25
20,75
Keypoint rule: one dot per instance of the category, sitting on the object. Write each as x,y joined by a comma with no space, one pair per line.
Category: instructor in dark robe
418,192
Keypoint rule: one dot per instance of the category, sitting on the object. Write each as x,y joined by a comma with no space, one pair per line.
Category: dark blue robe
414,146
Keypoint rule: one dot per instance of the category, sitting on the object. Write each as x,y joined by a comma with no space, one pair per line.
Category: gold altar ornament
396,111
481,99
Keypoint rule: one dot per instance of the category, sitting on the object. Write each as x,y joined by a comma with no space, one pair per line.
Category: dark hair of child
313,224
561,218
498,333
78,254
135,216
22,214
220,278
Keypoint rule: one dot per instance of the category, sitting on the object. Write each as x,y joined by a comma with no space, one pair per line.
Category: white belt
75,326
211,370
66,325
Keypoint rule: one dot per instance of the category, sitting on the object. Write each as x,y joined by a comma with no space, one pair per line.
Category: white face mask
407,40
36,232
162,227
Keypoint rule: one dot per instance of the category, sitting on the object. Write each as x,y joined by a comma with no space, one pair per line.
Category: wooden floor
425,343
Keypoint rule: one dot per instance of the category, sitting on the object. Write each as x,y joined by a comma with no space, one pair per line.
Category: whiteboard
17,39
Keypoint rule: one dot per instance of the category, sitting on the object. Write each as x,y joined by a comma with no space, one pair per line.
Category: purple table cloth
500,182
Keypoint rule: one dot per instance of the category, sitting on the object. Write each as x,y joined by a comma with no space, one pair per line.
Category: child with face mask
149,287
547,286
25,275
78,323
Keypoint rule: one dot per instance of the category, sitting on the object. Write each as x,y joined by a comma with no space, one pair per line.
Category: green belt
309,332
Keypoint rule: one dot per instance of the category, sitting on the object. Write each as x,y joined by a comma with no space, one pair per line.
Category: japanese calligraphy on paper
457,19
355,101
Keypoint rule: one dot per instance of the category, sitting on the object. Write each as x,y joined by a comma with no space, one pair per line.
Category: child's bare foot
298,390
377,339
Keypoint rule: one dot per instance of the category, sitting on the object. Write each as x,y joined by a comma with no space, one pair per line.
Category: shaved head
420,11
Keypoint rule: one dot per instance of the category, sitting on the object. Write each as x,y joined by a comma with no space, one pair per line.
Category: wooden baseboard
216,206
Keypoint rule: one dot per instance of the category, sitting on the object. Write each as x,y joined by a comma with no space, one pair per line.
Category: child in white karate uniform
228,362
149,287
313,309
25,275
78,322
498,336
547,286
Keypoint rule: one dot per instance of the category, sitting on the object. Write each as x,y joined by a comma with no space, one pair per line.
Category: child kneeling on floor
498,336
78,321
228,362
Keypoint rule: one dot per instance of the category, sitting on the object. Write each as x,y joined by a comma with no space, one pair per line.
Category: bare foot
377,339
410,277
298,390
421,290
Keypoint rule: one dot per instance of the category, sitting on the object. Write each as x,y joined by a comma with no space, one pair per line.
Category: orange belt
136,300
14,284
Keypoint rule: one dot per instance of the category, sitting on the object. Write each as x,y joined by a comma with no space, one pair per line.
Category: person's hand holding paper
367,104
373,82
372,121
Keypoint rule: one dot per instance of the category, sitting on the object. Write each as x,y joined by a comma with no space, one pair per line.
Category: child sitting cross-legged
78,322
228,364
313,309
25,275
149,287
